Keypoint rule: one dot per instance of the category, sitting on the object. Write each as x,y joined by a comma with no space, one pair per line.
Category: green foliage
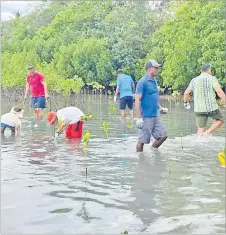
193,36
85,118
87,39
76,42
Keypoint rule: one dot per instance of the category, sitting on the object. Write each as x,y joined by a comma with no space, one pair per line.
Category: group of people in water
69,120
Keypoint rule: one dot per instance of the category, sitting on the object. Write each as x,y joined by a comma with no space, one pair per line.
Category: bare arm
116,91
134,89
26,89
187,95
221,94
18,130
45,88
137,105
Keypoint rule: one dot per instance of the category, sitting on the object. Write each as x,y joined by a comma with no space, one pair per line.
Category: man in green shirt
203,88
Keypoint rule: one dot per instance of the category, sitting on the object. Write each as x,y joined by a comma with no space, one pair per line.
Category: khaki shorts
201,118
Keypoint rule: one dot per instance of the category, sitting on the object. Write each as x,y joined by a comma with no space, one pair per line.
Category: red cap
51,117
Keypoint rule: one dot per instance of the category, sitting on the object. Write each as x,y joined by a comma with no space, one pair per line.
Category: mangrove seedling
85,118
105,126
86,138
129,125
181,135
125,232
112,107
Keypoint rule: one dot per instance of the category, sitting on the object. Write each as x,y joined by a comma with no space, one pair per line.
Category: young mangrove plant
86,138
181,135
105,126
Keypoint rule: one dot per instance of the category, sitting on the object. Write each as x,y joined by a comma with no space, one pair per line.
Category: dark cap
206,67
30,67
152,64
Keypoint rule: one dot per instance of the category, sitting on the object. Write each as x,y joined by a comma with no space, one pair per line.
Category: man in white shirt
67,119
12,120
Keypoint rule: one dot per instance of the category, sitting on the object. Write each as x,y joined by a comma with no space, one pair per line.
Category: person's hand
140,123
163,110
187,105
115,99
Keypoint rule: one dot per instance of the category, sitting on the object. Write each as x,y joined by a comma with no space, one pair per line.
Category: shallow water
178,189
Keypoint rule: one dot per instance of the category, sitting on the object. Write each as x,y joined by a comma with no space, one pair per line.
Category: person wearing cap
69,120
12,120
126,88
147,107
204,89
39,92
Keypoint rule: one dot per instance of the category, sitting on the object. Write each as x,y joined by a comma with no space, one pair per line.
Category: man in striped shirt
204,88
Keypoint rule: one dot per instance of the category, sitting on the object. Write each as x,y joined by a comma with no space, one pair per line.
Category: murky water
178,189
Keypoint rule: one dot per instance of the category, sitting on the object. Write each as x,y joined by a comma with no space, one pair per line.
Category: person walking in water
203,88
147,105
39,93
126,89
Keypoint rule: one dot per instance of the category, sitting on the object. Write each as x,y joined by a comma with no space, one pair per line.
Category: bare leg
200,131
36,114
215,125
158,142
123,113
39,114
140,147
131,113
13,133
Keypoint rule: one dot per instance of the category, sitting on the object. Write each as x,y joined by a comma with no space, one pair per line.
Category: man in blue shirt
126,88
147,106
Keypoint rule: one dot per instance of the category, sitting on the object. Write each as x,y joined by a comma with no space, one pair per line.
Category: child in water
12,120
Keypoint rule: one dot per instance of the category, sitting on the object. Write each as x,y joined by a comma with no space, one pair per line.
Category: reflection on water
178,189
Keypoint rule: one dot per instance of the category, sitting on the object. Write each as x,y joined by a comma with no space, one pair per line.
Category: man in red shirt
38,89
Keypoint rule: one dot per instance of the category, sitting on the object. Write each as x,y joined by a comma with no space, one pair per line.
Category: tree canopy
77,42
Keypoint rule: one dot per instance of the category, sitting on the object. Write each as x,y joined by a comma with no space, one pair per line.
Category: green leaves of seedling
85,118
105,126
86,138
125,232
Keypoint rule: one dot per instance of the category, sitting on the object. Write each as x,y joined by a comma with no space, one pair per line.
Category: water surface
178,189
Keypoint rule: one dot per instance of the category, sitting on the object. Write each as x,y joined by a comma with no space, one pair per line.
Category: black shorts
126,100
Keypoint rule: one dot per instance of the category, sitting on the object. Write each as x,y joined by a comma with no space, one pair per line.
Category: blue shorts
38,102
4,126
126,100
